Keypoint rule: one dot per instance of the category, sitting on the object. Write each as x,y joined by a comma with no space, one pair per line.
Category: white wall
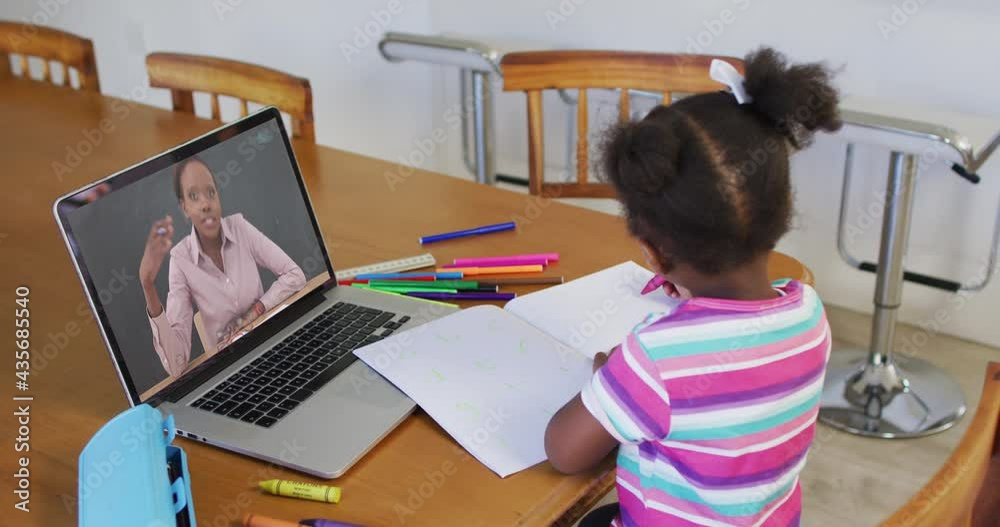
941,56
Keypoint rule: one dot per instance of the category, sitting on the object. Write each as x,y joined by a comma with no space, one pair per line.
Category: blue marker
500,227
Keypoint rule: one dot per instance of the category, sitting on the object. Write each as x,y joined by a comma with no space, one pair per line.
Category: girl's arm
575,441
625,402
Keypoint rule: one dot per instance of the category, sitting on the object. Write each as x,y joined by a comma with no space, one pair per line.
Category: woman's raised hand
161,239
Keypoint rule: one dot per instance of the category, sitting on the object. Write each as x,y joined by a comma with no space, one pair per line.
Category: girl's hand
158,244
671,290
602,358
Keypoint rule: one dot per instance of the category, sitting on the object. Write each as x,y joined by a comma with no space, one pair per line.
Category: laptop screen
191,252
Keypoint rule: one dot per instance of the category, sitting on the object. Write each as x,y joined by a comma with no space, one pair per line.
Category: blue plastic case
123,473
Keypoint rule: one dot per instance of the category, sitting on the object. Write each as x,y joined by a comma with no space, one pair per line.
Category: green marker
415,298
405,289
436,285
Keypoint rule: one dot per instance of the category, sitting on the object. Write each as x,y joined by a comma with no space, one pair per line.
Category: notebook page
489,379
594,313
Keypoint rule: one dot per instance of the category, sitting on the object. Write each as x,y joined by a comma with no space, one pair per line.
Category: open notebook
494,377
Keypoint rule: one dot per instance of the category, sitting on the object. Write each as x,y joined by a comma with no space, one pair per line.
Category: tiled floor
859,481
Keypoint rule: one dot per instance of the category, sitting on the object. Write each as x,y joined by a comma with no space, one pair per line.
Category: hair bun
642,156
798,99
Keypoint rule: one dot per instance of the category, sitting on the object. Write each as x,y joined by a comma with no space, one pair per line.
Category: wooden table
363,219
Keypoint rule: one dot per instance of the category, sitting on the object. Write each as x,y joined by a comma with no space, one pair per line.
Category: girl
713,405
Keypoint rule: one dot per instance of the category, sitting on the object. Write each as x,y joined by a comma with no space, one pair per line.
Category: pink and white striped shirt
715,406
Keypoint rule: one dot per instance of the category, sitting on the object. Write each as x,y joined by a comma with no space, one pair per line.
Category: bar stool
870,392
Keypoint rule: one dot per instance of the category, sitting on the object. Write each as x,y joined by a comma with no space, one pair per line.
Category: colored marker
415,298
486,229
440,284
654,283
256,520
449,274
305,491
408,279
464,296
510,269
405,289
517,259
525,261
320,522
531,280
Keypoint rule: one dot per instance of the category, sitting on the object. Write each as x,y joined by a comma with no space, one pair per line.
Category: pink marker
654,283
499,262
518,259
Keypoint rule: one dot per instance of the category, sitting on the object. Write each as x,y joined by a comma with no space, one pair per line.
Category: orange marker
256,520
510,269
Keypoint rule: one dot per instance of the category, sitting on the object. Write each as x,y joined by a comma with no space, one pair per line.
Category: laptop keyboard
274,384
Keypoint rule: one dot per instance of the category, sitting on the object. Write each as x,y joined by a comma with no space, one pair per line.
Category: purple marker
477,295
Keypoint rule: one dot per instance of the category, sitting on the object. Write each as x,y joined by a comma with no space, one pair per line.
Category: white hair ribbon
725,73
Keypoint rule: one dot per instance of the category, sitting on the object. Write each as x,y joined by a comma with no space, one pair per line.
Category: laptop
218,302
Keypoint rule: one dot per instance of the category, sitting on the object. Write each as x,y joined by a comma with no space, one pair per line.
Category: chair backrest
949,497
186,74
66,50
535,71
199,327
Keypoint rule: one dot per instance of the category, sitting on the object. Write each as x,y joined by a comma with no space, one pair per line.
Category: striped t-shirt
715,406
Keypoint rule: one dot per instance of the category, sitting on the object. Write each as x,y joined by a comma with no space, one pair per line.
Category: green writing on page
467,407
447,340
485,365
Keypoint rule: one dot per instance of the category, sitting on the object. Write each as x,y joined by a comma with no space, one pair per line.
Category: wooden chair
949,498
199,327
66,50
535,71
185,74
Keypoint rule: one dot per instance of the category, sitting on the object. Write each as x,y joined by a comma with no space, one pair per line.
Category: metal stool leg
486,172
875,393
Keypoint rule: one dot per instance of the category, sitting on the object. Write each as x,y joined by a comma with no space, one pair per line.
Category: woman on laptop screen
213,270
